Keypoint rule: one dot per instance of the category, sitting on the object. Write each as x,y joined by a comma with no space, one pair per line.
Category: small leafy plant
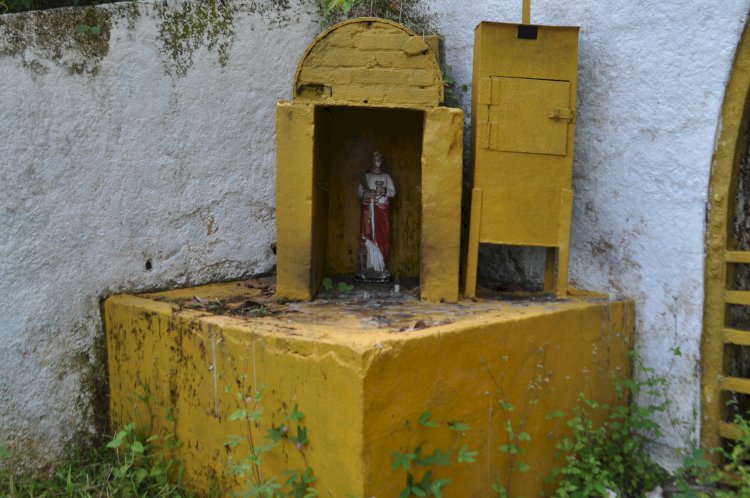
143,460
736,470
694,472
515,437
330,10
341,287
453,92
129,465
296,483
514,422
697,478
421,465
612,455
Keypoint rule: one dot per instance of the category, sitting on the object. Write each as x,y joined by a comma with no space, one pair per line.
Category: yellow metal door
524,115
528,115
523,126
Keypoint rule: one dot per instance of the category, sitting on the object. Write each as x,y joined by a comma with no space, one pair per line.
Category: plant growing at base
515,437
295,483
421,465
694,472
342,287
143,461
612,456
736,470
130,465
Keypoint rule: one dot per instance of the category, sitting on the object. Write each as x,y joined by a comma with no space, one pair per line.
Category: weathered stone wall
136,157
132,159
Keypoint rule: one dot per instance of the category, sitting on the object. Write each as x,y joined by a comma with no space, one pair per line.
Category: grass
126,467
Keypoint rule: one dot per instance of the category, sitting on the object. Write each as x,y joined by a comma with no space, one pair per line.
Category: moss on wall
77,38
192,25
129,12
413,14
15,6
189,26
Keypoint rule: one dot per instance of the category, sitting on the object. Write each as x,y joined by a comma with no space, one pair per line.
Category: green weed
292,432
340,287
736,470
613,455
421,465
129,465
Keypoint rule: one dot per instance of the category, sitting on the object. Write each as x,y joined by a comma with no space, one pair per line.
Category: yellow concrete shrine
362,383
364,368
363,85
522,130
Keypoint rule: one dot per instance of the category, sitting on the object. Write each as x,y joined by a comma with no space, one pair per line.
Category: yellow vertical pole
526,12
563,238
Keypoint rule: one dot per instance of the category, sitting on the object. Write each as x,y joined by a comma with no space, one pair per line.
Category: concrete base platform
362,364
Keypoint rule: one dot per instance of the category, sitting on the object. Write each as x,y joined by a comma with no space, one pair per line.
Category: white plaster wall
652,79
101,173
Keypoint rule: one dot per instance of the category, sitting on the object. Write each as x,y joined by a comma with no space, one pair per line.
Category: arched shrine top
369,61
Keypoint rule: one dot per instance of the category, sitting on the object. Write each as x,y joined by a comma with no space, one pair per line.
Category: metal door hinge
564,114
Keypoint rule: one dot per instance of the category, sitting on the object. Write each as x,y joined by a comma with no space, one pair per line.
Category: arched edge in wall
328,31
731,144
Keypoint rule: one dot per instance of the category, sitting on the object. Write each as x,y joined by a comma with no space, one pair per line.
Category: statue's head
376,163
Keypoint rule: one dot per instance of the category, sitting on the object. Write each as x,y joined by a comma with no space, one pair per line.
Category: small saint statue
374,190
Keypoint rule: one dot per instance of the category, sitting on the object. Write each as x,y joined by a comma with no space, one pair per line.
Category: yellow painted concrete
358,379
442,163
433,41
365,85
370,61
523,125
731,146
295,242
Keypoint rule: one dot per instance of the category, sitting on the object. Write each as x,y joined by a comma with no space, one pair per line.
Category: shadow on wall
508,268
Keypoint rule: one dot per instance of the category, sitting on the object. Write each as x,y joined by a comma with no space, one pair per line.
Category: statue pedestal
359,370
373,276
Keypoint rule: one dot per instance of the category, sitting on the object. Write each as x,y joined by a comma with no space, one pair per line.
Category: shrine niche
364,86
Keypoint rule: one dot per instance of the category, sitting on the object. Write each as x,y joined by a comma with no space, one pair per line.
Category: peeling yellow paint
358,381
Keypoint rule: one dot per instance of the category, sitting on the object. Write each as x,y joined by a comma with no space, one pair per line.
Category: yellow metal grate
721,258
